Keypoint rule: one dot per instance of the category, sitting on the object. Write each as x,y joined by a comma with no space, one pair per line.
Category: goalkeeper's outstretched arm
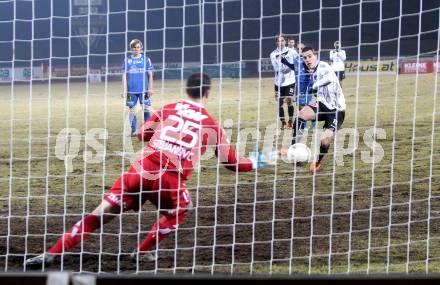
229,158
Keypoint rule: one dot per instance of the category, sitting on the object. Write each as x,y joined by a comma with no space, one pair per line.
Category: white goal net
374,206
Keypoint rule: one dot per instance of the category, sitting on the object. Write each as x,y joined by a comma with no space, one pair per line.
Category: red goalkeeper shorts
165,189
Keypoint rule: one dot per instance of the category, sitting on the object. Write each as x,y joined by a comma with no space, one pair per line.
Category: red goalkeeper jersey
179,134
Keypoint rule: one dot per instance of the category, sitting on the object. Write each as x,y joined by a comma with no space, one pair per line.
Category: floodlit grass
368,217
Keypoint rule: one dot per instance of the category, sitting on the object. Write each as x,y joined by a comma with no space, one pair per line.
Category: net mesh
373,207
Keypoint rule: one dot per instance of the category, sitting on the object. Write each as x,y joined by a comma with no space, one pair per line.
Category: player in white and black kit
291,46
329,106
284,80
337,56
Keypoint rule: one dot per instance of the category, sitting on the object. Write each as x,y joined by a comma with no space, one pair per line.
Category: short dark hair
307,48
197,85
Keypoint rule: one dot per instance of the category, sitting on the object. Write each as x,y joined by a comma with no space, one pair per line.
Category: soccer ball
298,152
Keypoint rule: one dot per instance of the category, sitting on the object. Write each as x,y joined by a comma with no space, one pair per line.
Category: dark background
232,31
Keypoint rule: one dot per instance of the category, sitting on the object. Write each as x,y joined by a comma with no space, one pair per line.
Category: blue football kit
304,83
136,70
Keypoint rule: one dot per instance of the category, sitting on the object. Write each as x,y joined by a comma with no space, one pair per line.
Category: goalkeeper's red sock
76,234
167,225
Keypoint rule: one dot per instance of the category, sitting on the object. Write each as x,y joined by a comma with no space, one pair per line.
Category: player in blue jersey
137,82
304,81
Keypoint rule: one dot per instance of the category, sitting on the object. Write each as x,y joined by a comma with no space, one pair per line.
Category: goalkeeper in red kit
178,134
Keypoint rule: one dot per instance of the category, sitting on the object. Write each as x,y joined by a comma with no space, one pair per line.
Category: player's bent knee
170,222
105,208
307,113
303,115
326,141
327,136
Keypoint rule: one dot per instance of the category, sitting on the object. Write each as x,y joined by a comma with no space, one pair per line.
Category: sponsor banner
174,70
436,66
370,66
63,71
5,74
266,65
412,67
94,76
21,74
351,67
27,73
112,70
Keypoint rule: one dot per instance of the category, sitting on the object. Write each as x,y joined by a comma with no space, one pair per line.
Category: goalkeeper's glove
258,160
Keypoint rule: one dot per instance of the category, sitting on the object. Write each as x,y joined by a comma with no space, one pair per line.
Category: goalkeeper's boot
38,261
315,167
143,255
290,125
